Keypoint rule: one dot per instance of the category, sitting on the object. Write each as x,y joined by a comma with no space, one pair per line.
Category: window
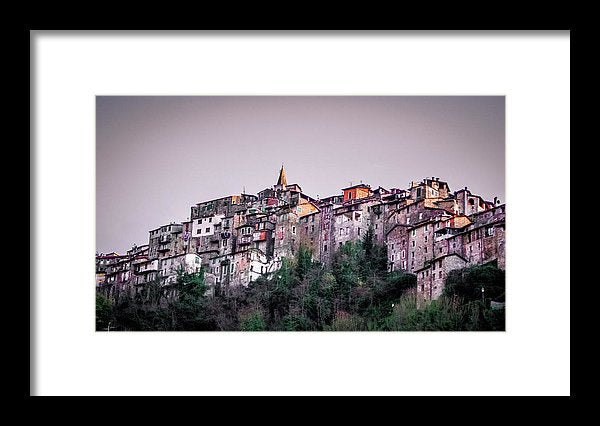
440,274
207,230
413,243
408,220
420,216
358,231
392,257
325,248
210,219
293,230
414,232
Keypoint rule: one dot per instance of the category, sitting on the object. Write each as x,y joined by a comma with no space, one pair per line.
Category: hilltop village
428,231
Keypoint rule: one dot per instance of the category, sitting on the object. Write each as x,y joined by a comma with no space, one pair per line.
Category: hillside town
428,231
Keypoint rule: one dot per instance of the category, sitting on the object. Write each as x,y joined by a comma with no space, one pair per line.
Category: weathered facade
427,229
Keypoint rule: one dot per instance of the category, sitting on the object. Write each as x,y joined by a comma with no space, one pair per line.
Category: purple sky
157,156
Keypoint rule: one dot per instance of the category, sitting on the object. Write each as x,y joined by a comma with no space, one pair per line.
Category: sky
158,156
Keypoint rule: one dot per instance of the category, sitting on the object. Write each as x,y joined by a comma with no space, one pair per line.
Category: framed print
284,208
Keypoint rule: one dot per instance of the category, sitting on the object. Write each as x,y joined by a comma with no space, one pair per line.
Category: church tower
281,182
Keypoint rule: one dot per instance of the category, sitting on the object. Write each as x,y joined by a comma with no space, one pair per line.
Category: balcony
144,268
164,239
164,248
123,267
245,239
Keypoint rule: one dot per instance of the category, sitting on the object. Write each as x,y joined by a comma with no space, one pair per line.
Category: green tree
104,311
190,310
468,283
253,321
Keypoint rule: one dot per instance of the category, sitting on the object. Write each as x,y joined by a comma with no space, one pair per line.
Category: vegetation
355,293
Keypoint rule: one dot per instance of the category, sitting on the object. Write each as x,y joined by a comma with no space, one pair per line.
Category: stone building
431,276
427,229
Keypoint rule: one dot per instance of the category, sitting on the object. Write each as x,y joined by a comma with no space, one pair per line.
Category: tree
254,321
374,260
468,282
190,311
104,312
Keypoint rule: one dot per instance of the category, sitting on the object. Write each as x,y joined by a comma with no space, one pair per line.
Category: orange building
356,192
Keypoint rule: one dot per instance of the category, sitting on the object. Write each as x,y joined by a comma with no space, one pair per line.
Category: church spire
282,181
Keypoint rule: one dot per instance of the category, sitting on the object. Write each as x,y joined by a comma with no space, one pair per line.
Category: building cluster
428,230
